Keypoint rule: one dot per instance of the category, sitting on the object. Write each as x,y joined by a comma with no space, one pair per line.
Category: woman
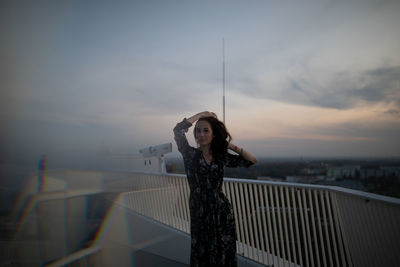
213,233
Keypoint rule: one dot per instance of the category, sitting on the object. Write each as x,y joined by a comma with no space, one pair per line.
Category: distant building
314,171
391,171
371,173
341,172
380,172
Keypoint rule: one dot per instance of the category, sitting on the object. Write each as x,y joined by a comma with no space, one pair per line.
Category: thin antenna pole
223,78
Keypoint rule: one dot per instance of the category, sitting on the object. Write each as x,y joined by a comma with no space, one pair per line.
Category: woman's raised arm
245,154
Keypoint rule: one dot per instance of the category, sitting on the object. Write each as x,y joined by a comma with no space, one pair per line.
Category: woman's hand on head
201,115
208,114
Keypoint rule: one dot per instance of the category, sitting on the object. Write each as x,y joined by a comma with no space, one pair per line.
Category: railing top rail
322,187
361,194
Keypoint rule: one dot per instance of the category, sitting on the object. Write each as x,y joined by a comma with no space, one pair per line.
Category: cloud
395,112
337,90
347,90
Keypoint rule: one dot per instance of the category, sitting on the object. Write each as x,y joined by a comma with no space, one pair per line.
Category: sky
81,80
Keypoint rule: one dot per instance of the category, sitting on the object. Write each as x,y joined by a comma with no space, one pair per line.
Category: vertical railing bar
292,237
285,226
153,196
308,228
246,234
139,201
382,217
266,231
389,214
131,200
128,201
358,217
391,219
226,190
174,202
144,200
174,214
326,228
270,228
374,216
134,201
368,245
395,219
185,202
158,198
235,214
151,186
258,213
250,225
187,197
276,243
252,194
278,215
147,184
321,237
182,186
241,237
168,200
345,237
182,203
328,200
139,179
163,202
339,226
310,197
303,225
147,202
294,193
136,183
179,212
393,222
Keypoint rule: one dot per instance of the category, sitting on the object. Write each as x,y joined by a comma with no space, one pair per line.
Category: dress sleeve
237,161
180,138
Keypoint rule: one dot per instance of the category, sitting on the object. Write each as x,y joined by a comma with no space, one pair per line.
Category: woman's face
203,133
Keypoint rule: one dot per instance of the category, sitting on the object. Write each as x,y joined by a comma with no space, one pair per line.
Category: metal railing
279,224
283,224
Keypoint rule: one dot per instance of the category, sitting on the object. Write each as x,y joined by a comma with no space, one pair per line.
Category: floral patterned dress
213,233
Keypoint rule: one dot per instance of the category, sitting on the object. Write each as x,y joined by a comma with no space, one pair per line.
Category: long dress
213,233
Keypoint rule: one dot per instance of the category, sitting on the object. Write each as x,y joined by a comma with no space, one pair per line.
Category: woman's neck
206,150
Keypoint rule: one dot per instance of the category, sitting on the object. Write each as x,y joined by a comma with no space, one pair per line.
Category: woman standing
213,233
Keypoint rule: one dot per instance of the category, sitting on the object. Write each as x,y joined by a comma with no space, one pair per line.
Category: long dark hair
219,144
